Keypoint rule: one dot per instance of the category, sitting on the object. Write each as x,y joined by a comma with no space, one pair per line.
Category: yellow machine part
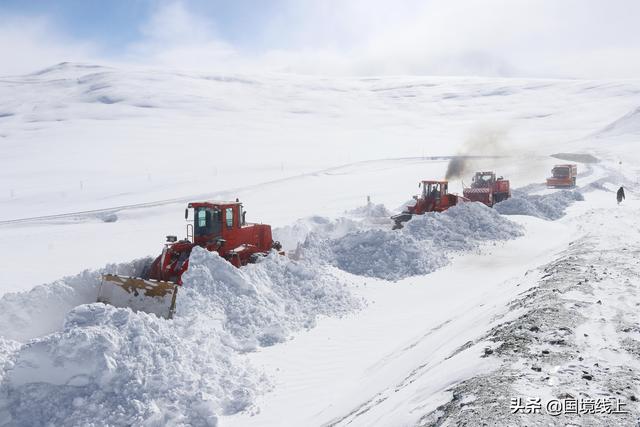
151,296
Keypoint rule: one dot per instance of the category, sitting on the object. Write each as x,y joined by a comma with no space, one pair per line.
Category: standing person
620,195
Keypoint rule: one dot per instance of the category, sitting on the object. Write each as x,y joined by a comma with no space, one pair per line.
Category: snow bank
549,206
261,303
26,315
371,210
422,246
292,235
116,367
368,216
385,254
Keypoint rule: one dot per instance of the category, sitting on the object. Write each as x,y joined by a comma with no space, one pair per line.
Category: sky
511,38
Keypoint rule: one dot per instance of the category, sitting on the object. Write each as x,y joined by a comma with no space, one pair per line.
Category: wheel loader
435,197
214,226
487,188
563,176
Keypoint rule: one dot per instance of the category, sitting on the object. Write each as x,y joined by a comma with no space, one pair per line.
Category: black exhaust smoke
485,142
456,168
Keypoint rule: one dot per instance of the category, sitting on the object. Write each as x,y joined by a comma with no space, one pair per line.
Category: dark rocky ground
576,337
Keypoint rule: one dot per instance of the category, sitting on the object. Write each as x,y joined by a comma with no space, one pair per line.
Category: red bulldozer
435,197
487,189
216,226
563,176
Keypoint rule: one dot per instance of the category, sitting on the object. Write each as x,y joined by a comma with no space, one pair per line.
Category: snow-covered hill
78,138
366,326
106,137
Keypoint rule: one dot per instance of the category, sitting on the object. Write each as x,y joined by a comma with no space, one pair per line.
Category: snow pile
261,303
421,247
371,210
26,315
369,216
602,184
385,254
292,235
7,348
124,368
116,367
549,206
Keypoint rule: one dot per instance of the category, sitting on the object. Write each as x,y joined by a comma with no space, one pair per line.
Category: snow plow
563,176
486,188
215,226
435,197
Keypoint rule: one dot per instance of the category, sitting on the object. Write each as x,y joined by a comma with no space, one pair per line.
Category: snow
129,368
397,357
362,325
547,206
137,368
262,303
422,246
571,339
96,156
27,315
627,124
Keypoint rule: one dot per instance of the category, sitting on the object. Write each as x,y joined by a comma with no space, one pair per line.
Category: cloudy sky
528,38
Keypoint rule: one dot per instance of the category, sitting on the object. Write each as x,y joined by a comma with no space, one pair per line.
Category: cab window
202,218
433,190
207,222
229,217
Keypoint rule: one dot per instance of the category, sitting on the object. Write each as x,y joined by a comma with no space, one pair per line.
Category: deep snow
108,366
190,370
547,206
422,246
364,351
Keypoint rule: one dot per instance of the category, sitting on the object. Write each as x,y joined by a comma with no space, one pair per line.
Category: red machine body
487,189
435,197
217,226
563,176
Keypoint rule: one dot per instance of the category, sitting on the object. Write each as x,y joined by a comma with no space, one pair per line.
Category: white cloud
176,37
28,44
544,38
532,38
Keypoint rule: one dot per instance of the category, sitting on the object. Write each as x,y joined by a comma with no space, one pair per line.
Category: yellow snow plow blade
151,296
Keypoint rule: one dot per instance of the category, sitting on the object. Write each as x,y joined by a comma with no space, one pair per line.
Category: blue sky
115,23
92,19
533,38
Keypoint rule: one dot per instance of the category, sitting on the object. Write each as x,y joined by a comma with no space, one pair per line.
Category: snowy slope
78,138
108,137
99,163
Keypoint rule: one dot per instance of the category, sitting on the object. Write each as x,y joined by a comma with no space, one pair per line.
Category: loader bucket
399,219
151,296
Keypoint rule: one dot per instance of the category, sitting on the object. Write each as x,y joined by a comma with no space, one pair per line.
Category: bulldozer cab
561,171
483,179
214,220
209,224
207,221
434,189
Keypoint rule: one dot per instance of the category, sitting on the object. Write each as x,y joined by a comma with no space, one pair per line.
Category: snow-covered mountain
440,323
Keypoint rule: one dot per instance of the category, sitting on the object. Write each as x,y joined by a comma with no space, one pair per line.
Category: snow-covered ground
441,323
